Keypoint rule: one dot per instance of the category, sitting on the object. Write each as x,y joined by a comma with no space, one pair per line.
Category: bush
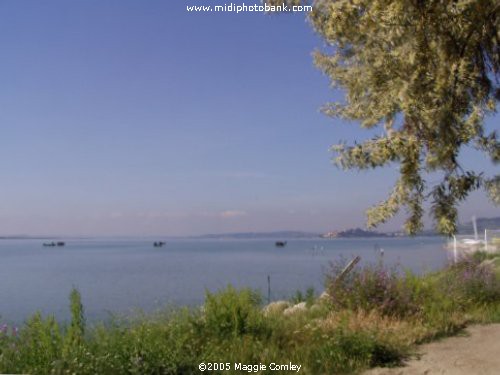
375,287
232,312
35,349
471,282
76,330
345,342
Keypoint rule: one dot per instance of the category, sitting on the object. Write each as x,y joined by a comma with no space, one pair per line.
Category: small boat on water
280,243
54,244
159,244
49,244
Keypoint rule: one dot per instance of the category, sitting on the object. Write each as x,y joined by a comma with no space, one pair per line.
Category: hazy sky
128,117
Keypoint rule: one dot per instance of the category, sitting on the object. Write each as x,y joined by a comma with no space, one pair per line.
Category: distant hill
467,228
26,237
354,233
259,235
482,224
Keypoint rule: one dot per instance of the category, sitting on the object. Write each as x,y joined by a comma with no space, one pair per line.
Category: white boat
471,242
467,245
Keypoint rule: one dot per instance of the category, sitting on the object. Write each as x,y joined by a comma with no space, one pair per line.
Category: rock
276,307
324,297
296,308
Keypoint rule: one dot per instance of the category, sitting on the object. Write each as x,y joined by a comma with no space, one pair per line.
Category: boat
54,244
463,246
471,243
159,244
280,243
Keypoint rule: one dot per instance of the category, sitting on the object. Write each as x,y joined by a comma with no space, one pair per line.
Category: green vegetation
374,317
307,297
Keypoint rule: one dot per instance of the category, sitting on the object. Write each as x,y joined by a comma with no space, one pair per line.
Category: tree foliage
427,72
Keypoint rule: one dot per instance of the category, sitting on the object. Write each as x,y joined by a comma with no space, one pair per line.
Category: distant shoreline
222,236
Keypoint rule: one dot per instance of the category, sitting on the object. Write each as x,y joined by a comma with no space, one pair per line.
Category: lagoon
122,276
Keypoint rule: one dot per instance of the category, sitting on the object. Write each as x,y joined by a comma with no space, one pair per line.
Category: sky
128,117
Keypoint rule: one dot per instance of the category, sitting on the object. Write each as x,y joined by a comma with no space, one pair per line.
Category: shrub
35,349
345,342
233,312
76,330
471,282
375,287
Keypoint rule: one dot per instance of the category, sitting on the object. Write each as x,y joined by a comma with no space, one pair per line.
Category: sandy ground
476,352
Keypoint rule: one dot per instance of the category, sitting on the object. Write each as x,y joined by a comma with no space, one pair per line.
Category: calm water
121,276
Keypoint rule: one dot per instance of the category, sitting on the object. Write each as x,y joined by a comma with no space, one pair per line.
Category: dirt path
477,352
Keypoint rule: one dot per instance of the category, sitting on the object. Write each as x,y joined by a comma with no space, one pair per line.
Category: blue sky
124,117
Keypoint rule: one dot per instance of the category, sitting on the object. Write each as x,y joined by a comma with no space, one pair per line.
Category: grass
375,317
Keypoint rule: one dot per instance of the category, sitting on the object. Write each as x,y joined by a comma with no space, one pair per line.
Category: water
121,276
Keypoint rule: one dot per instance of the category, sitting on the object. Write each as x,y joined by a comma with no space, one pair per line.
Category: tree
427,72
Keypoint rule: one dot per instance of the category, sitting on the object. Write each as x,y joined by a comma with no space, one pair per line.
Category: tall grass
373,317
